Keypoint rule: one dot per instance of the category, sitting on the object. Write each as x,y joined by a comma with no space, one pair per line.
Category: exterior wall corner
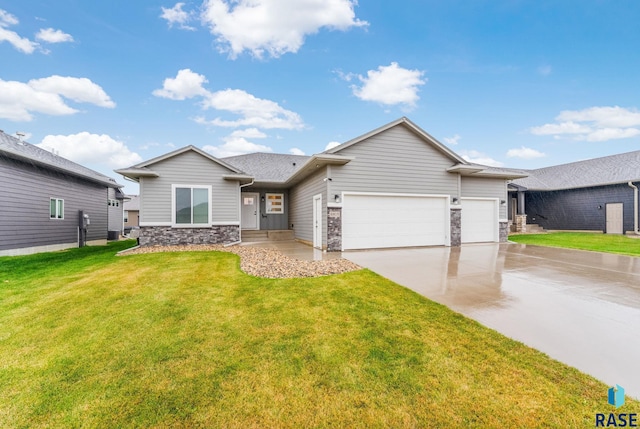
334,229
456,229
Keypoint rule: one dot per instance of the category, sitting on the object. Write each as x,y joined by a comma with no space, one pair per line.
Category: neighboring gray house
42,195
594,195
393,187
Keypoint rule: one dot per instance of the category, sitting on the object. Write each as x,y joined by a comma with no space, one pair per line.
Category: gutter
635,207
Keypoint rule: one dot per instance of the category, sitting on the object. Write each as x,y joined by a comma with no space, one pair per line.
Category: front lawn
187,340
608,243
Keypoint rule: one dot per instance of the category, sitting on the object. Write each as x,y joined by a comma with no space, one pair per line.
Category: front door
250,208
317,221
614,218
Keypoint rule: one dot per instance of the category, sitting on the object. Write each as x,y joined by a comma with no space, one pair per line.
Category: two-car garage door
378,221
372,221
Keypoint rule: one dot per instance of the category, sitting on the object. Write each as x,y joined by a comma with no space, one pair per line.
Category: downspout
240,213
635,207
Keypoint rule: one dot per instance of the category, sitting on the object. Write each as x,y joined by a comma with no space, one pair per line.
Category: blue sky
522,84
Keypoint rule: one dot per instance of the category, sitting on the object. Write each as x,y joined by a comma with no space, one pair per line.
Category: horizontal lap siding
115,213
301,206
24,206
577,209
394,161
188,168
476,187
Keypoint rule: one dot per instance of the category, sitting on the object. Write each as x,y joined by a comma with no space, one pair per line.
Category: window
191,205
126,216
56,208
274,203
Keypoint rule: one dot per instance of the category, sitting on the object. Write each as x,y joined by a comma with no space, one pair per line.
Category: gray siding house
593,195
42,196
395,186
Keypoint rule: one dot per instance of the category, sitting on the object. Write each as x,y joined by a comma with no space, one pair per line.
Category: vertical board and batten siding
188,168
301,206
271,221
394,161
578,209
485,187
24,206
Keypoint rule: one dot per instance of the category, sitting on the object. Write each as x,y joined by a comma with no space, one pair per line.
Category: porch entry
250,207
614,218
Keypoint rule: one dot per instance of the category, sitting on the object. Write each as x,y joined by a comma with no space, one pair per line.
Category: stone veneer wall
168,236
334,229
504,232
456,226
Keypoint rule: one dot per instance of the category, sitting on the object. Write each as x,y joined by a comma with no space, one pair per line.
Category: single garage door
479,221
376,221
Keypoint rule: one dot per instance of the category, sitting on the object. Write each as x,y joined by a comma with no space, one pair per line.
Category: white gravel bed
263,262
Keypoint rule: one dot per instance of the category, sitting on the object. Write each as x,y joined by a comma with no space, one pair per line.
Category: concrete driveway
581,308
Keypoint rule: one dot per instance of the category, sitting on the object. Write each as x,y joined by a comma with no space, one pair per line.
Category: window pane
183,205
200,206
52,208
60,209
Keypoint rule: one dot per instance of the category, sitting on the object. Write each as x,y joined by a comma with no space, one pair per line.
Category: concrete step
267,235
534,228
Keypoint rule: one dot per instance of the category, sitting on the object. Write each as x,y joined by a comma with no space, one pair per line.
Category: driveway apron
581,308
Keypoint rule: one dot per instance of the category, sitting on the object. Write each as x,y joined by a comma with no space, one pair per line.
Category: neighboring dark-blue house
594,195
42,196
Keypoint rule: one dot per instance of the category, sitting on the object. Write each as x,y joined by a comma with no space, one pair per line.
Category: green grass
187,340
608,243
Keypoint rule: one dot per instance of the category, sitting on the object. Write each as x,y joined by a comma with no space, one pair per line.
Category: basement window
274,203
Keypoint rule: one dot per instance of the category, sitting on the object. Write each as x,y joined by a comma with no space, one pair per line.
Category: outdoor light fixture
599,206
454,200
336,197
503,202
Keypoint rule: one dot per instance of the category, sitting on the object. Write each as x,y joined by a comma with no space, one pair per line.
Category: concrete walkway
581,308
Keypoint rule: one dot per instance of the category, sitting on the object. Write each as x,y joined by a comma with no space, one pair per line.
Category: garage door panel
372,221
479,221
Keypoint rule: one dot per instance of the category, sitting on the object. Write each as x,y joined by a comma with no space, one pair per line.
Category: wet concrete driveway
582,308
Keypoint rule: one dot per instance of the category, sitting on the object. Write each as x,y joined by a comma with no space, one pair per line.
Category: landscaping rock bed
262,262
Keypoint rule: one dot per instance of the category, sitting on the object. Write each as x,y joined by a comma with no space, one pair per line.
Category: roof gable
166,156
427,138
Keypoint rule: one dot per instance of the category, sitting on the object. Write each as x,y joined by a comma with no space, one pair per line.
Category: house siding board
394,161
477,187
577,209
24,206
115,212
188,168
301,206
271,221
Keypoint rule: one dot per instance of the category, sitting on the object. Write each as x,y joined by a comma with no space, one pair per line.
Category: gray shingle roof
608,170
12,147
268,167
133,203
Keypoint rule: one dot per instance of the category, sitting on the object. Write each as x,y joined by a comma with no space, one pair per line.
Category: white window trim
173,207
56,200
266,203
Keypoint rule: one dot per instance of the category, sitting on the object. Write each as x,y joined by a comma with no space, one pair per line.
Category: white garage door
479,220
376,221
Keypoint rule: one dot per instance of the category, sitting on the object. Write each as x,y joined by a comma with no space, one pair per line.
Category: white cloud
598,124
249,133
186,84
525,153
22,44
18,100
545,70
331,145
390,85
476,157
235,146
296,151
86,148
452,141
80,90
275,27
176,15
50,35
